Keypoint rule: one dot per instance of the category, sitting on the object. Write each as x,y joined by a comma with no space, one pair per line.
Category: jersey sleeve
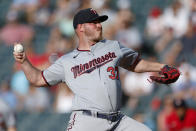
54,74
129,58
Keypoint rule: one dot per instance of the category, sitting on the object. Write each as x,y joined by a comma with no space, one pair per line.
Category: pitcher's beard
100,37
94,36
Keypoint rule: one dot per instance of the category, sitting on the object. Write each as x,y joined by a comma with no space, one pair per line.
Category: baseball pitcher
91,72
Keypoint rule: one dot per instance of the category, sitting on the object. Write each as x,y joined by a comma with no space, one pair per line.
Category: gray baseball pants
82,122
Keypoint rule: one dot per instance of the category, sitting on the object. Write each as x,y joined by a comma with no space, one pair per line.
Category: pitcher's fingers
19,57
18,53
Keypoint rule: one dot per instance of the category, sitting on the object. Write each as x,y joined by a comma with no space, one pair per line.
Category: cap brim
100,18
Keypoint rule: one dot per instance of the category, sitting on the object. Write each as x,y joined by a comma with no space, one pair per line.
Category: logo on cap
94,11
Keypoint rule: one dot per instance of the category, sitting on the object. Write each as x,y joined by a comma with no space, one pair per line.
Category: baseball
18,48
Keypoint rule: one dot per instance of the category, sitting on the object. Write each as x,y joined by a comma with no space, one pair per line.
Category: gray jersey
93,75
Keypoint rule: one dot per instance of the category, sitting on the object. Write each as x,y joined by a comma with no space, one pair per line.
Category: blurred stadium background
161,30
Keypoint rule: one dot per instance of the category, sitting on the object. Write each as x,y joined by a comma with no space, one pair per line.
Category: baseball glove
169,75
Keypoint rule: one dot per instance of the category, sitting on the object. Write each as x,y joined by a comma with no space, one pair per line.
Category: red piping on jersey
85,50
72,123
44,78
82,50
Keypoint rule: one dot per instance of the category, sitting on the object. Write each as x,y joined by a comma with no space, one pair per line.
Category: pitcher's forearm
148,66
32,74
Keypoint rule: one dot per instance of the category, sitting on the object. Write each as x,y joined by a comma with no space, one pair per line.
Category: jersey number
114,72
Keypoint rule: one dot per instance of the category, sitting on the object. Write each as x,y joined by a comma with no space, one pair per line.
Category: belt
113,117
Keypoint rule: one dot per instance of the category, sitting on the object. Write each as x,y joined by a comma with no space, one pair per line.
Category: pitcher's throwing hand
19,53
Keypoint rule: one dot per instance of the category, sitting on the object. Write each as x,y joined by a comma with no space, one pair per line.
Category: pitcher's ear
80,27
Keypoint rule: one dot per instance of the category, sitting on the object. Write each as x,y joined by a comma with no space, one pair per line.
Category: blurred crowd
168,36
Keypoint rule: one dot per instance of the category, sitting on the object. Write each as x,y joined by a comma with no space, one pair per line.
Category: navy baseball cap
86,16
